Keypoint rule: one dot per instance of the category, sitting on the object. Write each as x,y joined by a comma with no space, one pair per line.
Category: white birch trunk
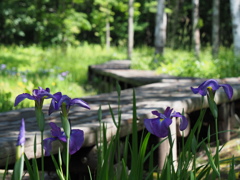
160,28
130,28
235,12
108,38
215,28
196,32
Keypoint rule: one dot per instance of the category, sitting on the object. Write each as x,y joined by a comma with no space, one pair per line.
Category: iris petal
228,90
21,136
202,89
60,99
156,113
56,131
168,112
76,140
21,97
149,124
210,83
47,145
160,126
183,123
79,102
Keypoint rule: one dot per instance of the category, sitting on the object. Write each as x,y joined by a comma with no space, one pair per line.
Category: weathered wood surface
172,92
120,71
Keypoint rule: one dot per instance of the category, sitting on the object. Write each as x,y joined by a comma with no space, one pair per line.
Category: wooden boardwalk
173,92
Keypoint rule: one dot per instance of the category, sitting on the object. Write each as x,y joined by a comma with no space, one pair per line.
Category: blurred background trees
105,22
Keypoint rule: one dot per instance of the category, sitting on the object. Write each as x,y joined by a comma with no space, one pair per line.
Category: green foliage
28,68
182,63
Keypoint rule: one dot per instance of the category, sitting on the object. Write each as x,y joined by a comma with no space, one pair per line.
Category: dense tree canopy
48,22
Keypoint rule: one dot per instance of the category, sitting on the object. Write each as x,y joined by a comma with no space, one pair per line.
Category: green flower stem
41,126
67,130
67,159
42,157
217,148
214,110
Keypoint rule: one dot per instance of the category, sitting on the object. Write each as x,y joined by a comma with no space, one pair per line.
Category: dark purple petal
41,93
64,99
160,115
202,89
149,124
164,128
48,90
47,145
57,96
157,127
56,131
168,112
183,120
76,140
79,102
156,113
228,90
183,123
21,136
54,105
196,90
211,83
21,97
176,114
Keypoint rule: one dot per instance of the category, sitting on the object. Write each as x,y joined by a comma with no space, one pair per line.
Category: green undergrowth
184,63
29,67
25,68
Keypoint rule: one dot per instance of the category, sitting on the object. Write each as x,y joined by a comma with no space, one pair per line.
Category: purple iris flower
60,100
76,139
21,136
160,126
214,85
38,95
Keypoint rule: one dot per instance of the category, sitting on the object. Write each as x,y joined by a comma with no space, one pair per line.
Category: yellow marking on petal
209,87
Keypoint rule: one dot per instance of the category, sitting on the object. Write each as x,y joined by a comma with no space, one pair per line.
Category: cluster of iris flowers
158,126
58,102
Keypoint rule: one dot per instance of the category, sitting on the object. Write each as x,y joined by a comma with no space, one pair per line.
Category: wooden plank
175,93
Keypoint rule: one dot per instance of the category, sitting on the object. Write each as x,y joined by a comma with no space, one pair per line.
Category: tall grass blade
135,174
231,174
211,161
58,169
29,168
6,168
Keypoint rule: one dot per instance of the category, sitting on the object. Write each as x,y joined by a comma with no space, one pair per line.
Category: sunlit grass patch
26,68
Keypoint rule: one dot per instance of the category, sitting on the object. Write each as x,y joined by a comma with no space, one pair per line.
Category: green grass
183,63
30,67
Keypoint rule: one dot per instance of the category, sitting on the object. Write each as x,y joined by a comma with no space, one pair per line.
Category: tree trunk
175,25
160,28
196,31
108,38
130,28
235,12
215,28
